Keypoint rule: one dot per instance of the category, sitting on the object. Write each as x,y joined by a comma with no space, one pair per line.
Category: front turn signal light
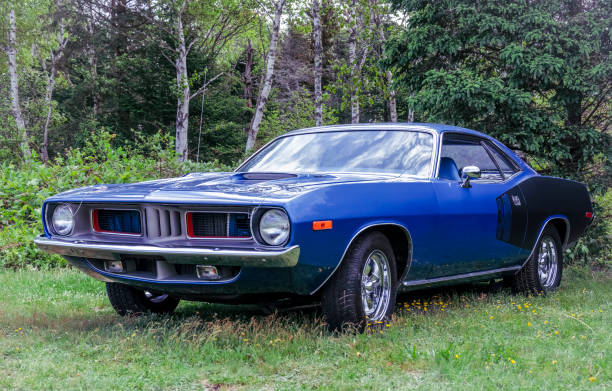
321,225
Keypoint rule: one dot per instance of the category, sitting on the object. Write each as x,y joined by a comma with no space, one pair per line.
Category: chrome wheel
547,262
376,285
155,298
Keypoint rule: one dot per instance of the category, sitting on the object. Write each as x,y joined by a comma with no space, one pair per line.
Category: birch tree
190,25
11,51
55,46
262,98
378,13
318,62
359,49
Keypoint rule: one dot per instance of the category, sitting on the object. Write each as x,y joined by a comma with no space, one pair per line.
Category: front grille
116,221
218,225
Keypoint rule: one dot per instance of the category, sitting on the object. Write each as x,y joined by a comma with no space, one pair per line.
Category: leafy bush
595,246
24,188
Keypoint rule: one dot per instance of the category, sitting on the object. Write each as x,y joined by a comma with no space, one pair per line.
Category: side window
470,152
505,165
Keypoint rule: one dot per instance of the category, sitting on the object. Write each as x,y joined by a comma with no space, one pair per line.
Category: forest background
96,91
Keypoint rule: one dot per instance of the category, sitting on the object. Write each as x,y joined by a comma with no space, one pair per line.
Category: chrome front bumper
183,255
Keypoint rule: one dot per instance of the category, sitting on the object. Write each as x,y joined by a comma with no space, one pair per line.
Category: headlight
274,227
62,220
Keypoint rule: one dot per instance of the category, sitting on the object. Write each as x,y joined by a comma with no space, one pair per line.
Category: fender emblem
516,200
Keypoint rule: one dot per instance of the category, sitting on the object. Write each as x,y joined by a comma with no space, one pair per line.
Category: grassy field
57,331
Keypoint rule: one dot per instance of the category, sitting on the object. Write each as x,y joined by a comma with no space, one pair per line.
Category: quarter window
502,160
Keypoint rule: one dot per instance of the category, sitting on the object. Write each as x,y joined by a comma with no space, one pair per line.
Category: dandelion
491,317
554,362
556,332
530,371
388,325
246,340
513,362
133,334
528,324
592,379
583,336
519,307
545,322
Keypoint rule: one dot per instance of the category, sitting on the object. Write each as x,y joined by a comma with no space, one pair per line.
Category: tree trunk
318,63
248,78
392,103
267,84
382,39
15,104
182,83
352,41
44,153
50,76
93,62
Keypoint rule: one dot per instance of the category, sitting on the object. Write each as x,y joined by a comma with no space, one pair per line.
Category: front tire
127,300
543,271
364,288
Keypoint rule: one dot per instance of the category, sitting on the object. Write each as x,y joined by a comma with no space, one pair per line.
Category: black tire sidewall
341,297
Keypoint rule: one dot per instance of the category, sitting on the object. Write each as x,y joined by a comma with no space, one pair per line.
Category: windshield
374,151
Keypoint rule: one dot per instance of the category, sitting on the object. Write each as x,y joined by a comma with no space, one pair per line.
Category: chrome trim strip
186,255
460,276
544,224
408,262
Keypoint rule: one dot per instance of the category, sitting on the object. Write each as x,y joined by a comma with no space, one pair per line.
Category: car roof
438,128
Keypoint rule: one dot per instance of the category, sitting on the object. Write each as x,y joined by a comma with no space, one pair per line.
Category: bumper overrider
286,257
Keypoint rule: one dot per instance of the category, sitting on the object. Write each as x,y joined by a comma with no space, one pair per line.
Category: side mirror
467,173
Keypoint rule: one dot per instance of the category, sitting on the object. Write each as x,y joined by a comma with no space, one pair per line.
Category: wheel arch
561,224
399,238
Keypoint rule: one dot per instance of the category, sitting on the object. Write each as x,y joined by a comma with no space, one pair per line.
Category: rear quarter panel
549,196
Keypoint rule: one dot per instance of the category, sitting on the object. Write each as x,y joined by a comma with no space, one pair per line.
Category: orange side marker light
320,225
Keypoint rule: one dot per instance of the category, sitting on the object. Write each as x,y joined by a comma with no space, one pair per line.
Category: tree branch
201,89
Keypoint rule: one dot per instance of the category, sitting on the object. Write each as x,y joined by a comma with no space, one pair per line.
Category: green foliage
595,247
24,188
535,75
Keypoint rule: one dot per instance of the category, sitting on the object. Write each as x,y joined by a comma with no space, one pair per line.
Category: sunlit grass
57,331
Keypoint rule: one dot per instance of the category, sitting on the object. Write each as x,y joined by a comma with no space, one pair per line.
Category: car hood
215,188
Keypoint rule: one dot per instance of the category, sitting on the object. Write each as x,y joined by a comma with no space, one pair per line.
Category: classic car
346,215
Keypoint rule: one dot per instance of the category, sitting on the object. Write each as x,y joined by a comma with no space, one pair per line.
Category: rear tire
364,288
543,270
127,300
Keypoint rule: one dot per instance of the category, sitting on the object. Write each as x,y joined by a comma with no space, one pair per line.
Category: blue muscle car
347,215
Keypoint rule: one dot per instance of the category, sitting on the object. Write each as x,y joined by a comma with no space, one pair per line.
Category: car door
480,227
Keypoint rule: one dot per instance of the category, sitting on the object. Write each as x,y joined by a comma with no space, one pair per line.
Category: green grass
57,331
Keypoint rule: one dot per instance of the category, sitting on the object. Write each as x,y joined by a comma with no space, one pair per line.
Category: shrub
24,188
